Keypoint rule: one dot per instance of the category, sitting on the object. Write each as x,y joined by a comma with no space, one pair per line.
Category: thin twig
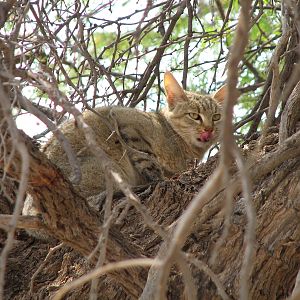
21,148
249,239
228,144
102,243
111,267
205,268
42,265
24,222
190,290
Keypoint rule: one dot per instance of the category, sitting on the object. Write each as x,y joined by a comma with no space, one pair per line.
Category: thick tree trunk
276,192
67,217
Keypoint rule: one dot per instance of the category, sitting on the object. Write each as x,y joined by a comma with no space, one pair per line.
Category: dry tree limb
249,118
275,90
264,102
24,222
290,115
289,149
289,97
17,145
101,247
258,78
229,148
110,267
229,195
249,239
184,226
42,265
51,115
190,290
214,278
290,83
186,45
138,29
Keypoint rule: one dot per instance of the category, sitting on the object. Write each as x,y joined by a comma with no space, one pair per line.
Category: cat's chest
170,150
171,157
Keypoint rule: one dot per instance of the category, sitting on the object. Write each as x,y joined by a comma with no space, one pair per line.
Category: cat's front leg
141,155
146,165
139,149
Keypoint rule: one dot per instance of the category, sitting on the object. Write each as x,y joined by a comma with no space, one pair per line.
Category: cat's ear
220,94
174,91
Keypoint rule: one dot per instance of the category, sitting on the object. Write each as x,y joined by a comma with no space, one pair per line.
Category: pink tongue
205,136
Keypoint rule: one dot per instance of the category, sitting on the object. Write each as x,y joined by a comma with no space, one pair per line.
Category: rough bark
67,216
276,197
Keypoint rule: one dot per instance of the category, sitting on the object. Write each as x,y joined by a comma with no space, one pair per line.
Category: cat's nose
206,135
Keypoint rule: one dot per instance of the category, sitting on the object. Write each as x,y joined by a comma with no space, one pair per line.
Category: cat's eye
216,117
195,116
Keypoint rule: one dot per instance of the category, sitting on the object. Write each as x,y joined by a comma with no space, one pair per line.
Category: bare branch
42,265
19,145
290,115
111,267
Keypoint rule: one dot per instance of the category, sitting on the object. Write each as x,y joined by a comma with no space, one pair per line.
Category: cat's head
196,118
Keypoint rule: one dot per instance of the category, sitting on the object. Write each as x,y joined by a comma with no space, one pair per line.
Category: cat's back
117,117
107,123
104,121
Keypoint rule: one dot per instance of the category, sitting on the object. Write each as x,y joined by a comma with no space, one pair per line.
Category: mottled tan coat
144,146
157,144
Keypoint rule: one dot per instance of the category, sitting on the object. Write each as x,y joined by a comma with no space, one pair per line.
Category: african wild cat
152,145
